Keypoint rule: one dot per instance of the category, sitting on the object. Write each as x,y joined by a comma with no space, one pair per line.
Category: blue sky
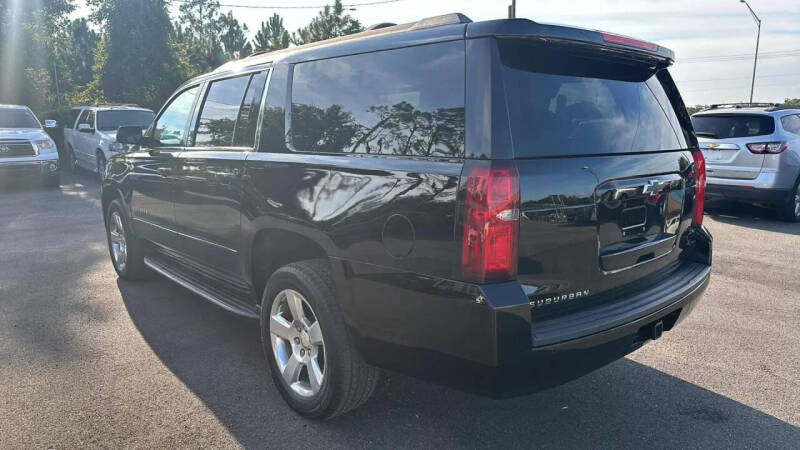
694,29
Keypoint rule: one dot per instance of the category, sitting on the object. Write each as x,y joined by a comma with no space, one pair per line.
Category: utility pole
758,37
512,9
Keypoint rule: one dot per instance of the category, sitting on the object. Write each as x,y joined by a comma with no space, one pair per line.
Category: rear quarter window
727,126
407,102
791,124
567,103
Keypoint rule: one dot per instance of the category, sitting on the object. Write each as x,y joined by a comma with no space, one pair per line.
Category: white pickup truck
91,138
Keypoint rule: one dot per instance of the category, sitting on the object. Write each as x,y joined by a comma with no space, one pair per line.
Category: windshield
732,126
18,118
111,120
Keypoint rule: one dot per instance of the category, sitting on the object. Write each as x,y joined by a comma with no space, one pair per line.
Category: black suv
498,206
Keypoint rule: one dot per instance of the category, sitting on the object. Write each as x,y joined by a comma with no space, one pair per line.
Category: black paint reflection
382,103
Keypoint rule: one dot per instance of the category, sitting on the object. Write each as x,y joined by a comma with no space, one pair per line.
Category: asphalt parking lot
89,360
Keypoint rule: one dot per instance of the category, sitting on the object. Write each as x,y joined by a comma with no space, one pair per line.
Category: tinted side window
84,117
406,101
791,123
171,126
220,110
73,116
247,121
273,122
564,102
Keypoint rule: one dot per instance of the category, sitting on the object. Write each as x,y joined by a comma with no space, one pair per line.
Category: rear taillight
491,222
767,147
699,173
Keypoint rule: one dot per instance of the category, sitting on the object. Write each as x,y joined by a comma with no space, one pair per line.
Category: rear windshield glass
111,120
17,118
562,102
732,126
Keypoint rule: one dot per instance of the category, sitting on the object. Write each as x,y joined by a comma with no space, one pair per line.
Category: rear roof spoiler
524,28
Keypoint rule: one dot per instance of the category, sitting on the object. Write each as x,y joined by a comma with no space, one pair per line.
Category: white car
91,138
25,149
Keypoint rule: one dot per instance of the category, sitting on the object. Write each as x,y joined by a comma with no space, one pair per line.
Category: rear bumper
481,338
772,186
747,193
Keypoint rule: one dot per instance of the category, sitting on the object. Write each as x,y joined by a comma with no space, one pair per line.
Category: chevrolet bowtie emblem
713,145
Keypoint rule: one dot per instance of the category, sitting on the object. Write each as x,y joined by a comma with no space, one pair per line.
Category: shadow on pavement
218,356
750,216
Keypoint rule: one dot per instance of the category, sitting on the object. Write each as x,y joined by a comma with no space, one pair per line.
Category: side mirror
85,128
129,135
50,124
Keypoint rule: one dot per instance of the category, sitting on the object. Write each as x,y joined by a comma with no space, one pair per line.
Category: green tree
201,28
234,37
331,22
136,61
28,42
792,101
272,35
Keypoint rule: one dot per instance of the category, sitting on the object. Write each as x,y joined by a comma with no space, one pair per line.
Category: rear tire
346,381
125,249
790,210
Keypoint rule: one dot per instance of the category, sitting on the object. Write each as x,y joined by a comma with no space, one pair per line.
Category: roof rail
745,105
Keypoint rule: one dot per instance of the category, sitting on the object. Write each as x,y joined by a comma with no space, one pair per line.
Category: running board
182,278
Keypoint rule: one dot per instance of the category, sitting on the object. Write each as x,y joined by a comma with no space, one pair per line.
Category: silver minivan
752,153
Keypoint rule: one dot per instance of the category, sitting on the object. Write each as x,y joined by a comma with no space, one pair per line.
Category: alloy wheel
297,343
119,244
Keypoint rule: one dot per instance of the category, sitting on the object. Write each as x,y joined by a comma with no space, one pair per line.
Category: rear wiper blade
705,134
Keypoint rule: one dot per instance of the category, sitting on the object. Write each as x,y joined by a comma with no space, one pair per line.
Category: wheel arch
273,248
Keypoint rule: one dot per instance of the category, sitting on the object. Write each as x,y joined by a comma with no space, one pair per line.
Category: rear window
562,102
112,120
725,126
407,102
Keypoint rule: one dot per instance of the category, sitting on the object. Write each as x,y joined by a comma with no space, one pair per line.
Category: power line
739,57
737,78
350,5
731,88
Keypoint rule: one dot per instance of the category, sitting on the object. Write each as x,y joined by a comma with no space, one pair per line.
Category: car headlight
46,146
117,147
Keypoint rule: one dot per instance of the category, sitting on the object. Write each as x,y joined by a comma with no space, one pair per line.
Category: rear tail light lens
699,173
767,147
491,222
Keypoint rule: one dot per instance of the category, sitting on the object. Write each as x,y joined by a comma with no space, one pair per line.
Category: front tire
126,251
312,359
790,210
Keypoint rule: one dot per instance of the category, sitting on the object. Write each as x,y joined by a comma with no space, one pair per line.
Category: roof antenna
512,9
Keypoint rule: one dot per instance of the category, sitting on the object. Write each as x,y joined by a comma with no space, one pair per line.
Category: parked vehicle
91,138
753,154
25,148
498,206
